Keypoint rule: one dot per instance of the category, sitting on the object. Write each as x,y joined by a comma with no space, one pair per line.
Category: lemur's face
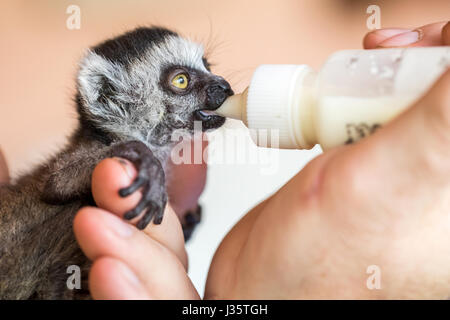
192,92
148,83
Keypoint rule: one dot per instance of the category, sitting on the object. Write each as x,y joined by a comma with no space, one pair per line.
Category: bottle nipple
234,107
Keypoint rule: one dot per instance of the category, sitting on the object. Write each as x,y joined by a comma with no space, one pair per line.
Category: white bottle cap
273,105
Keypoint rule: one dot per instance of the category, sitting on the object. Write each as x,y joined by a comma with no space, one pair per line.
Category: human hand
434,34
127,263
384,201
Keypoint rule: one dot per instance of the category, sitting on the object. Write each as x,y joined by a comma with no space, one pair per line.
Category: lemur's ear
98,82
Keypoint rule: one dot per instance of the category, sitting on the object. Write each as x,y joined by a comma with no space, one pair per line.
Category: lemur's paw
150,180
151,205
190,221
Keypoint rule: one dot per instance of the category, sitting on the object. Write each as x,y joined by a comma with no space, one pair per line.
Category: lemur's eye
180,81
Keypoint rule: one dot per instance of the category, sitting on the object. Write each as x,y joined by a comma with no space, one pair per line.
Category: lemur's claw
143,203
137,183
151,211
154,196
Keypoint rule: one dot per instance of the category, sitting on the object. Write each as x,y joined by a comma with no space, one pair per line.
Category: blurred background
39,56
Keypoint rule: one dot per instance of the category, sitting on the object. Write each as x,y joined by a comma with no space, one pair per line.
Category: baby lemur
133,92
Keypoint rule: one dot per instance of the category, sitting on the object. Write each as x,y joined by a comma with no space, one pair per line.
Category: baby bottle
351,96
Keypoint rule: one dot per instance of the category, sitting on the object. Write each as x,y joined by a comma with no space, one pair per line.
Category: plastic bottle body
360,90
353,94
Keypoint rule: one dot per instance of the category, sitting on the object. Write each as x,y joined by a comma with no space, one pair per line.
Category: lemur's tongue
204,115
207,113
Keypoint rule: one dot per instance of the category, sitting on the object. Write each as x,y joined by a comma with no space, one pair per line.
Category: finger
429,35
418,141
108,177
113,174
374,38
102,234
4,175
111,279
446,34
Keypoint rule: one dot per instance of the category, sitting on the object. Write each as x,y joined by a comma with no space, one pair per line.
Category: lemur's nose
217,92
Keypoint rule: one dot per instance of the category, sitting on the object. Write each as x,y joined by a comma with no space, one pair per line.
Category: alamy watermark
74,280
228,146
374,20
374,280
73,22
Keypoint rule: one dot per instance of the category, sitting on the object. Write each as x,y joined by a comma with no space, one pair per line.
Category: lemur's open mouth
205,115
209,119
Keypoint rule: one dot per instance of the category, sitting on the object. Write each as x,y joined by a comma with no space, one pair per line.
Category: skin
4,177
163,244
349,208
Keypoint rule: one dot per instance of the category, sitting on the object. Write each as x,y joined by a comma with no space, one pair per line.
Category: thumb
446,34
108,178
429,35
419,139
435,110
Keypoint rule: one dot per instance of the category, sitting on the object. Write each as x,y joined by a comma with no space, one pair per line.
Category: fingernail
118,226
403,39
158,220
127,166
390,32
